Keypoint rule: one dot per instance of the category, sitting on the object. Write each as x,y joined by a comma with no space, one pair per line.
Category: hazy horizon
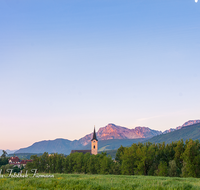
66,66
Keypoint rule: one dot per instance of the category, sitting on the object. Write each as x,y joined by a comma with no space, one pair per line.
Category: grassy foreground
97,182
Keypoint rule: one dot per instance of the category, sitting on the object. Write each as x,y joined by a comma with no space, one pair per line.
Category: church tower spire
94,144
94,135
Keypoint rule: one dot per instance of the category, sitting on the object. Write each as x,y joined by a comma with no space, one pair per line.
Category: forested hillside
114,144
188,132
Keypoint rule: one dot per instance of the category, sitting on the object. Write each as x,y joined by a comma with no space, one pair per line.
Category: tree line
176,159
74,163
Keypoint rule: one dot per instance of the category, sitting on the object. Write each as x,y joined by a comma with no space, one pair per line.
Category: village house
24,162
15,161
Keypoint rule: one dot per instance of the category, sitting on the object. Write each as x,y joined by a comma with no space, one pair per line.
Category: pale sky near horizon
68,65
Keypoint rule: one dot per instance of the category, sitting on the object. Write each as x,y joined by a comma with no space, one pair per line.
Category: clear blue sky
68,65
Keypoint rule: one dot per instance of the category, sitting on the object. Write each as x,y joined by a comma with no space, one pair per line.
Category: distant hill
61,146
113,144
186,132
24,156
8,151
112,153
110,137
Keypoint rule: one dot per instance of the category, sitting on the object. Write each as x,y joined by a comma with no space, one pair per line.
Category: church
94,146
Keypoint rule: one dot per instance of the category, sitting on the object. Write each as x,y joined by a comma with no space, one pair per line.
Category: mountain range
110,137
107,133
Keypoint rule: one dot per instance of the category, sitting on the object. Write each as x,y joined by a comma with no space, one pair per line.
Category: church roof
81,151
94,136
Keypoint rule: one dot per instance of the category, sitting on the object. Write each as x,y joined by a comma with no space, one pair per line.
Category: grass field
97,182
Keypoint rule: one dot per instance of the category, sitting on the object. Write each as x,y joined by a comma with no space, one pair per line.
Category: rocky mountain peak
112,131
188,123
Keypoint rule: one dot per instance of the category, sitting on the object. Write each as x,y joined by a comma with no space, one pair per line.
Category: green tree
85,164
65,164
16,169
145,158
116,168
52,163
78,162
173,169
162,169
106,164
5,167
4,155
178,157
34,164
70,162
59,163
128,160
91,164
191,158
119,153
43,162
3,159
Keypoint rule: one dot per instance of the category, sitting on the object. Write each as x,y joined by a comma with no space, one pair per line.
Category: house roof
14,159
25,161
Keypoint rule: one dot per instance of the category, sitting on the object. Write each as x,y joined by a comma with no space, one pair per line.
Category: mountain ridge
109,132
112,131
186,132
187,123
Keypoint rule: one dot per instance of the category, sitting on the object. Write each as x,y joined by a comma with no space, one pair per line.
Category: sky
68,65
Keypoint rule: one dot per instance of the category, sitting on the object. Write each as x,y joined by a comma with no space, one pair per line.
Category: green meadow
97,182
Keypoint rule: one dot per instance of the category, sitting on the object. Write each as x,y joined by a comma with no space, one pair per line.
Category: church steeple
94,136
94,144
